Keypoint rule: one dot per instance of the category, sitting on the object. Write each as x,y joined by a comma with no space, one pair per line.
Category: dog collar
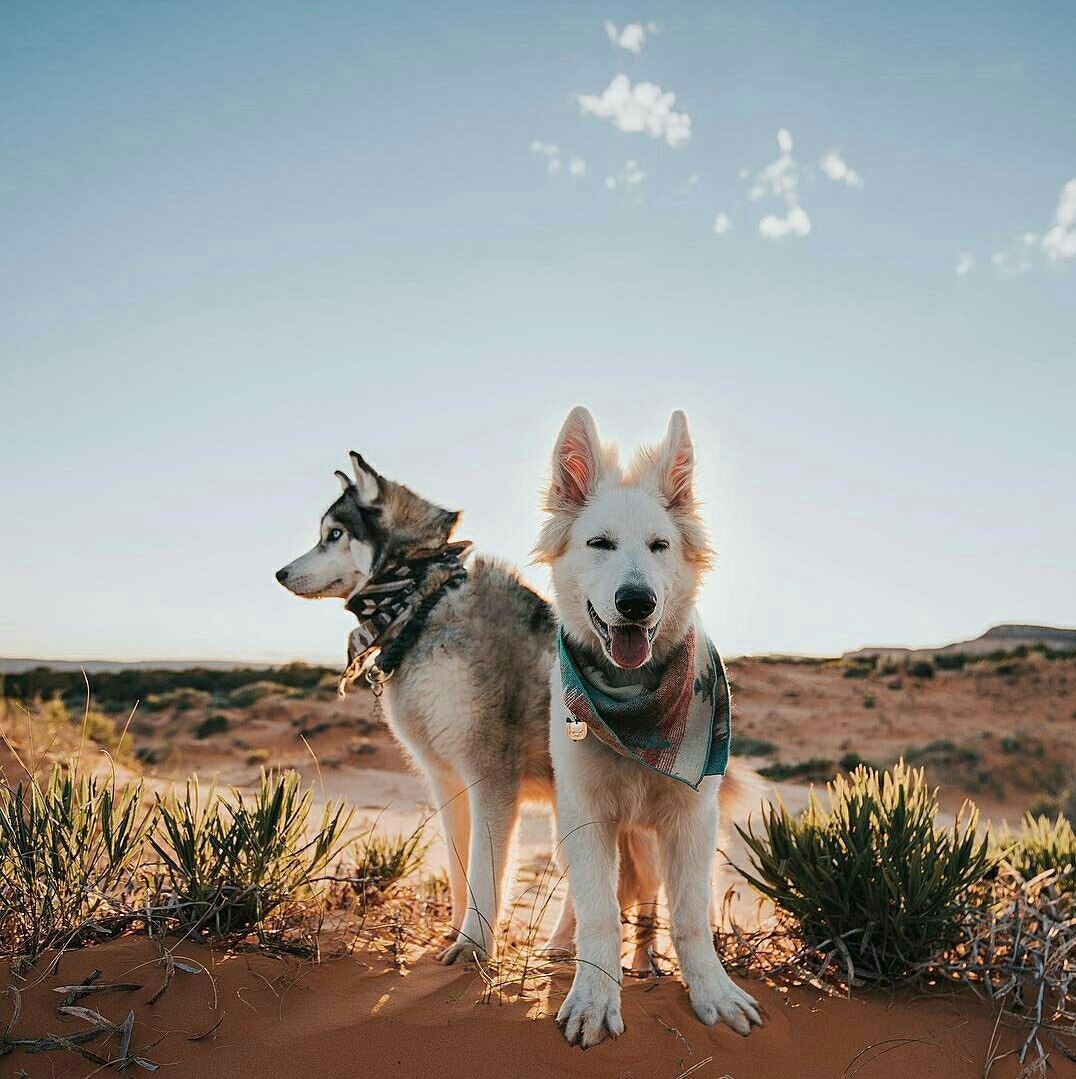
393,606
681,728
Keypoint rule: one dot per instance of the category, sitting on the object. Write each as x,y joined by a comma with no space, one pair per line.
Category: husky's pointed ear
676,464
367,481
578,462
345,480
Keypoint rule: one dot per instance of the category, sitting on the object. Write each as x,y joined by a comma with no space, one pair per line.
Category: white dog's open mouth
627,644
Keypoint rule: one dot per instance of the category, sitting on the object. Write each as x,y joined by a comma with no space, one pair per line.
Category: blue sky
243,238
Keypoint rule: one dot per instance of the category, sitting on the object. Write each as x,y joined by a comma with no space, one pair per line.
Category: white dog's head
627,549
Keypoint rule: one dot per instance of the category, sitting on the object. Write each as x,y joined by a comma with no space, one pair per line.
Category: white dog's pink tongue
629,646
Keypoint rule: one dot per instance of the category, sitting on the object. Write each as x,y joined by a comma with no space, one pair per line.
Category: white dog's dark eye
334,535
659,545
601,543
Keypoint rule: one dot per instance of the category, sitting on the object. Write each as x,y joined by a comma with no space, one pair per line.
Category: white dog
627,551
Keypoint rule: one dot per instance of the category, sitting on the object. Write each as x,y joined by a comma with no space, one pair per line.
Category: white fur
336,567
598,790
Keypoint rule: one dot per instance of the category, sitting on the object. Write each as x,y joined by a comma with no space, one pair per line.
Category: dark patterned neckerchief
393,606
681,728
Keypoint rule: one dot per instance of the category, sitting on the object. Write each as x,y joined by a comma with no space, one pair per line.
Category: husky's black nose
634,602
281,575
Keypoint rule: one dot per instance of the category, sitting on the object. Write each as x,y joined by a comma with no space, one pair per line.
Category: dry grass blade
212,1030
73,1046
88,980
13,1021
90,1016
169,974
77,992
125,1037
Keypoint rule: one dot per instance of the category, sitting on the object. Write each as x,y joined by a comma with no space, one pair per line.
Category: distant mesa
1004,638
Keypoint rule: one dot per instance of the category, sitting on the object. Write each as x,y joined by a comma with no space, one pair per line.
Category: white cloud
722,224
836,168
644,107
554,166
632,36
781,180
794,223
546,149
577,167
630,177
610,183
554,159
1060,240
964,263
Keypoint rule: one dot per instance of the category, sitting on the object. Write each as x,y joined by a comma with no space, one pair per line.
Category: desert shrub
232,862
753,747
258,756
69,851
1040,844
245,696
872,878
942,751
950,661
383,860
212,724
921,668
814,768
851,760
857,671
183,699
869,700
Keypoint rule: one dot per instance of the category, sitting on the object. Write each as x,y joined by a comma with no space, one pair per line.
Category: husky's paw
590,1015
462,951
727,1003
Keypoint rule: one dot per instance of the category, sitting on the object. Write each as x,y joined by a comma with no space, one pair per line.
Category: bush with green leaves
70,850
183,699
1040,844
383,860
245,696
231,862
872,878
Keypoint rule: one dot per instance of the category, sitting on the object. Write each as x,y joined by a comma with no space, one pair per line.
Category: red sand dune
357,1016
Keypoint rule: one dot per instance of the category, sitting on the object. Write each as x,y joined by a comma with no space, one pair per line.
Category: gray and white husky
627,550
470,704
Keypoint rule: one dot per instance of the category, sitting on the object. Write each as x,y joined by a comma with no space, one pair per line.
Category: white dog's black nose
634,602
281,575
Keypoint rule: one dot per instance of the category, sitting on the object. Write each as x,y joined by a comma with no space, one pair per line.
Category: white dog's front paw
590,1014
724,1001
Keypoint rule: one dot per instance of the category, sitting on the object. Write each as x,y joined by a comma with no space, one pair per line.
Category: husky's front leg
689,845
591,1010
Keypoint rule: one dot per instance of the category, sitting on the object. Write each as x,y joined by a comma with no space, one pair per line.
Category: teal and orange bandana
681,728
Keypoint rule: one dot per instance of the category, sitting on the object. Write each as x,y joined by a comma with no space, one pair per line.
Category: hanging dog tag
576,731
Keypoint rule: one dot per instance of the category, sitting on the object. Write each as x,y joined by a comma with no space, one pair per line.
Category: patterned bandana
681,729
387,602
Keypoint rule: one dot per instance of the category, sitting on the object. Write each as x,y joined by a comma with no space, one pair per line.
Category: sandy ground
360,1016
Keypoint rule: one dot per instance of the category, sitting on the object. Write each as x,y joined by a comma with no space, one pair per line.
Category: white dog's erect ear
366,480
577,460
676,464
345,481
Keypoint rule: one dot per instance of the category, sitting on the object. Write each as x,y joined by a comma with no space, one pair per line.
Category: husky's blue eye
334,534
601,543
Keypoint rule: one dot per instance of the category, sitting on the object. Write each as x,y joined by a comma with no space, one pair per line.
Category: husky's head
372,521
627,549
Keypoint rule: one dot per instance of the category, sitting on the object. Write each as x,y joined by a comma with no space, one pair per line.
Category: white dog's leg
689,853
450,797
563,937
494,808
592,1008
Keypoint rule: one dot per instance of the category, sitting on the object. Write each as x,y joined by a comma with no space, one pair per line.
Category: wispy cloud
836,168
643,107
722,224
781,179
554,159
965,263
1060,240
632,36
628,177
